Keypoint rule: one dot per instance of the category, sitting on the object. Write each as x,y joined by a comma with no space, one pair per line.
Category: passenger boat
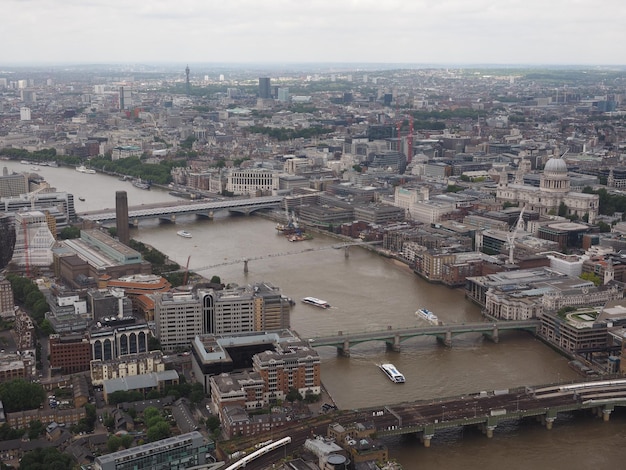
141,184
84,169
393,373
316,302
184,234
81,199
427,315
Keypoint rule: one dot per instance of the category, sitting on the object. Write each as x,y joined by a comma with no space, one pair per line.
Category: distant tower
121,216
187,80
265,89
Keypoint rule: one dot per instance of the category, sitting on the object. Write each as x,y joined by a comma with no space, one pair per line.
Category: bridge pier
493,336
135,223
606,415
549,423
345,349
245,266
173,218
395,346
446,340
426,438
346,252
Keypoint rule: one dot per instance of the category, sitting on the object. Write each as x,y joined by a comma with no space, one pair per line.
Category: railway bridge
485,410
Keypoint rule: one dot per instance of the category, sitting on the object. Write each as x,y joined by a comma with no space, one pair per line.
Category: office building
113,338
13,184
257,307
265,88
69,354
253,182
25,114
178,452
33,240
7,235
7,302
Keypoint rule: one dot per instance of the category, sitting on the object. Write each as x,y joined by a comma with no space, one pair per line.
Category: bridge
485,410
338,246
169,212
393,337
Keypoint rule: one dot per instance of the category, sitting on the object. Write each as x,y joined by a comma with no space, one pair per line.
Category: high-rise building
25,114
181,316
7,303
265,90
34,241
13,184
121,217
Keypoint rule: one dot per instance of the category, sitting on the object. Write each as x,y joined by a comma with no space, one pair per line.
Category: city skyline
366,31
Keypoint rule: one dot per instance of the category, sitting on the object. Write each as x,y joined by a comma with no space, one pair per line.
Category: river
369,292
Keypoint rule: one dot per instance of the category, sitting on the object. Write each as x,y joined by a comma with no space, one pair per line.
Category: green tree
127,440
604,227
113,443
216,280
160,431
591,277
69,232
213,423
46,458
19,395
293,395
562,209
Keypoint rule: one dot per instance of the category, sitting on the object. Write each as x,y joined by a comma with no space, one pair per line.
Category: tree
591,277
113,443
293,395
19,395
48,458
604,227
213,423
69,232
216,280
159,431
562,209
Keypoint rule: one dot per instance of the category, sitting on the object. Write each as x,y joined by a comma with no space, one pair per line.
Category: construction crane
186,272
510,238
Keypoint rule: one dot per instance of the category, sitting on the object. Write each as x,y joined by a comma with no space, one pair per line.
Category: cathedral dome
556,165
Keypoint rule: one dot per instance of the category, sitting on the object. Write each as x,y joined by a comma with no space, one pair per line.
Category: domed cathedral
554,189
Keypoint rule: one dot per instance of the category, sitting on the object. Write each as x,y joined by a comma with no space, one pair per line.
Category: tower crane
510,238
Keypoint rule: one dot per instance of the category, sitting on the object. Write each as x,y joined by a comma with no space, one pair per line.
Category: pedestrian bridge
393,337
169,212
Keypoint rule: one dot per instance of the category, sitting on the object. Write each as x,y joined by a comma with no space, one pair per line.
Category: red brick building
70,353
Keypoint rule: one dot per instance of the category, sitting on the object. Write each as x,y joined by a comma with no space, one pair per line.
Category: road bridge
169,212
486,410
444,333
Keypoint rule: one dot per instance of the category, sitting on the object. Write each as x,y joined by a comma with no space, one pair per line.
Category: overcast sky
288,31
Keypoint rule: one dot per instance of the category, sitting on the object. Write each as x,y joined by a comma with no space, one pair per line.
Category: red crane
186,271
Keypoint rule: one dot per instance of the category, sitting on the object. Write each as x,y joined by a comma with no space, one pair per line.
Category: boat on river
316,302
427,315
393,373
184,234
84,169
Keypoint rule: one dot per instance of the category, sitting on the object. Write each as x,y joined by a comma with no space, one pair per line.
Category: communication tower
187,84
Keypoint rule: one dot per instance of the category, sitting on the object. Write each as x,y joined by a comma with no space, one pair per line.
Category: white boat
84,169
184,234
393,373
427,315
316,302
